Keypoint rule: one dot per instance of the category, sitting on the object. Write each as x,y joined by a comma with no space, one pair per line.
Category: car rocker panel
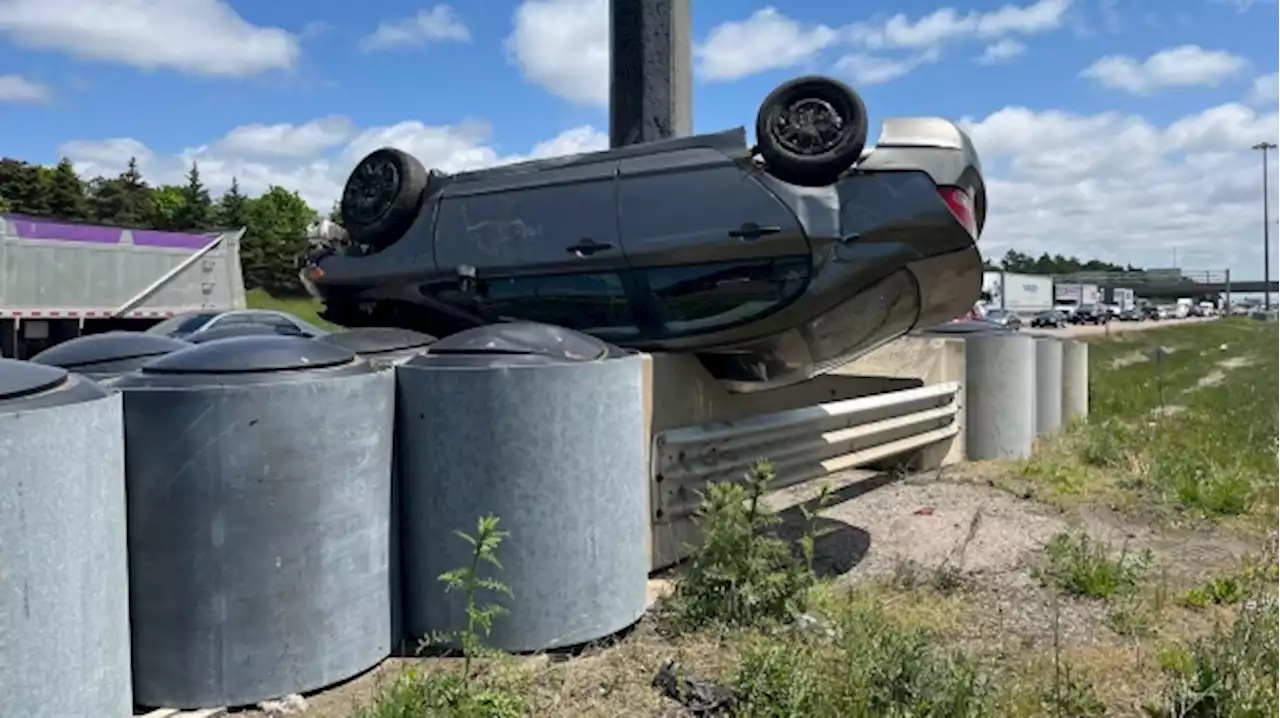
772,263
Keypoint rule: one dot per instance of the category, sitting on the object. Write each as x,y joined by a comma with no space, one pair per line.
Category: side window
593,303
227,320
708,297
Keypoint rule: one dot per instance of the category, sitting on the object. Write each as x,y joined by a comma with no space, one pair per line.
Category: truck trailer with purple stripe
59,280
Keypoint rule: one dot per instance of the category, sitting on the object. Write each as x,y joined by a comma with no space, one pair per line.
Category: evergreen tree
124,201
167,203
276,235
26,187
67,198
196,212
232,211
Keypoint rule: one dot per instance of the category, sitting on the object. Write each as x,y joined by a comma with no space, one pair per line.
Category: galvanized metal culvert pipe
107,356
1048,386
259,497
1000,396
64,604
1075,380
387,347
544,428
381,345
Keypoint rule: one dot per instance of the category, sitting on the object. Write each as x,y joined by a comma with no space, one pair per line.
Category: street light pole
1266,225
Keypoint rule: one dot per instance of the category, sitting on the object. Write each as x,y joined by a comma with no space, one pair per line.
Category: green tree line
275,222
1015,261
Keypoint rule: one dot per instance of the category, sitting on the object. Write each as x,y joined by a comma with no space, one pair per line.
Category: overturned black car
771,263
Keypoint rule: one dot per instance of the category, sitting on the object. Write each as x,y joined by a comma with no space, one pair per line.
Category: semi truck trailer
60,280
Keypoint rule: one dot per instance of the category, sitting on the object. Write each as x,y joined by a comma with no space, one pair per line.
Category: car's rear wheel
382,197
811,129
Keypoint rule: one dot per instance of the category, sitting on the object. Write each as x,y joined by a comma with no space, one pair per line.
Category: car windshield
1088,307
996,313
182,324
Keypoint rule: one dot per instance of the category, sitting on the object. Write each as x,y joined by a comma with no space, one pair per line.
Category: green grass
303,308
1194,429
1081,567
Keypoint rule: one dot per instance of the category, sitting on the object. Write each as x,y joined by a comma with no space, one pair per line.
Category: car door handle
588,247
751,230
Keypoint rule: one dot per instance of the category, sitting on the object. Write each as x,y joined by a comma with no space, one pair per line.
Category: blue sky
1146,151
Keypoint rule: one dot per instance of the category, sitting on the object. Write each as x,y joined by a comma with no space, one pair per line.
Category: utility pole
1266,225
650,71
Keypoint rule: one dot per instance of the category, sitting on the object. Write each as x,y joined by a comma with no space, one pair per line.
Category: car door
696,205
710,246
543,241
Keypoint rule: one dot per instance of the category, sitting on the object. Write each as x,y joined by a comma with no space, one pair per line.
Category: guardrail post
1048,386
1000,393
1075,380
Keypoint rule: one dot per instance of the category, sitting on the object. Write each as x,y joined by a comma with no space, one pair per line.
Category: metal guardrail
802,444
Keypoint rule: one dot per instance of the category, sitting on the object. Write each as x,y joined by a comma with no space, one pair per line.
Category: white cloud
1266,90
563,47
320,154
866,69
1117,187
286,140
1001,51
16,88
201,37
767,40
1182,66
948,24
438,24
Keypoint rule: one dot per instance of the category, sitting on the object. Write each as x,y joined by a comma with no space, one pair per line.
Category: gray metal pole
1048,386
650,73
1000,396
1266,225
1075,380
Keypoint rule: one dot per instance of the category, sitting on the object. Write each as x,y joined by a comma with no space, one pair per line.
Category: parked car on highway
192,325
771,263
1005,318
1130,315
1052,319
1089,314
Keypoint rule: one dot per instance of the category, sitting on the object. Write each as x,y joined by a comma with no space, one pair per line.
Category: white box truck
60,280
1021,293
1075,295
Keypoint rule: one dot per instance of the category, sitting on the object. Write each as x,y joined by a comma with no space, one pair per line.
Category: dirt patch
1236,363
1212,379
1218,375
1124,360
1168,410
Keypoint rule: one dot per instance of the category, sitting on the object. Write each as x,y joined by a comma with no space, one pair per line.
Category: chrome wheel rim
809,126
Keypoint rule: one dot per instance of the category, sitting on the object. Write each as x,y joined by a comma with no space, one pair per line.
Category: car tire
796,151
382,197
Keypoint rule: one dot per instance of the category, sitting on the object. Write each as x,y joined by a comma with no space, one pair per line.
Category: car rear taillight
961,206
